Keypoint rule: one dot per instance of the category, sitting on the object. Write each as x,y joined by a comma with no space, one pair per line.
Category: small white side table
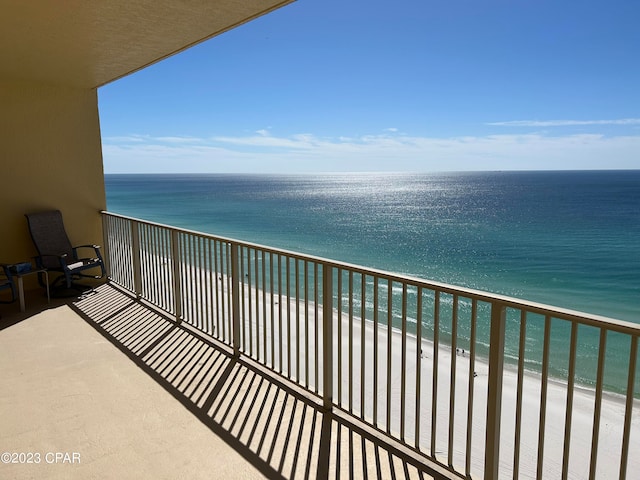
21,286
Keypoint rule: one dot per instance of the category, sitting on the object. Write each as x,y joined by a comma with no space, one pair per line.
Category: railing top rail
584,318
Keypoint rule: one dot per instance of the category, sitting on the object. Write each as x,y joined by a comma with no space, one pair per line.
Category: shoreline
359,399
449,418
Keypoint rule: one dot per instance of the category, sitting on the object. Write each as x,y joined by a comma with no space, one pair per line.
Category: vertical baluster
519,398
316,324
218,285
135,251
375,350
221,275
452,379
196,282
363,314
289,372
106,248
120,266
178,272
245,327
280,332
202,284
235,276
350,343
168,294
130,266
403,368
230,290
193,292
264,308
117,253
129,255
211,276
144,260
148,263
248,277
124,257
494,394
191,280
598,404
142,255
306,324
434,369
170,300
339,300
418,365
327,336
159,280
472,374
272,312
389,351
116,243
297,280
184,254
204,275
115,248
633,360
152,270
164,291
569,406
543,395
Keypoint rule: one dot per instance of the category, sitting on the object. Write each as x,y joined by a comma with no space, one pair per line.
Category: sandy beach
355,392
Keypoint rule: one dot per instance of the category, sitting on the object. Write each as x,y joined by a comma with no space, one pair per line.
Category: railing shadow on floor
278,428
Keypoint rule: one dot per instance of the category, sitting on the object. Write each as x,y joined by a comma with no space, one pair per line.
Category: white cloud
148,138
179,139
565,123
386,152
263,141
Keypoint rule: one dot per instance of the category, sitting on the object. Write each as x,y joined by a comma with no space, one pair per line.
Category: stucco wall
51,158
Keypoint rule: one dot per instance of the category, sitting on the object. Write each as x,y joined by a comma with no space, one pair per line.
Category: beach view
295,239
330,215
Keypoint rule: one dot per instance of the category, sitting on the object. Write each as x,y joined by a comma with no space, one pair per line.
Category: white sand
391,402
611,421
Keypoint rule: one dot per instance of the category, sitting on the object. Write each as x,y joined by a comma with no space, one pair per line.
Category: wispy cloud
151,139
381,152
565,123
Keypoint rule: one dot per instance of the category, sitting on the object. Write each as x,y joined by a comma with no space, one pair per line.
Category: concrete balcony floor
131,394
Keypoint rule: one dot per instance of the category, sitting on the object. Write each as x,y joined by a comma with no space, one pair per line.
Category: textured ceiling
87,43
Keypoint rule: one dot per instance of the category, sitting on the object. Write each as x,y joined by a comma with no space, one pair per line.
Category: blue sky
409,85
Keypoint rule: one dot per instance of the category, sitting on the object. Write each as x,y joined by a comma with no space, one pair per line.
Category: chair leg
68,278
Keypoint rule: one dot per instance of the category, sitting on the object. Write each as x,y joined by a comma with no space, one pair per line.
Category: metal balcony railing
483,385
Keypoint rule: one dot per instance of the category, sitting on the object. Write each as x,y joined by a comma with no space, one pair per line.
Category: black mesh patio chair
7,283
55,252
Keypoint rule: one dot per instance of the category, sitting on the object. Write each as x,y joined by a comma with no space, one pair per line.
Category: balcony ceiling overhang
87,43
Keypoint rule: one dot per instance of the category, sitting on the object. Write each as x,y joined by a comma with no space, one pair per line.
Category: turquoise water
570,239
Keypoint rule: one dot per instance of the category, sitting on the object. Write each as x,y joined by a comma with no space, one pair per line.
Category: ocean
565,238
570,239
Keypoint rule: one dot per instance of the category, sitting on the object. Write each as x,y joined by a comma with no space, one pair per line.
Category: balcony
128,393
284,365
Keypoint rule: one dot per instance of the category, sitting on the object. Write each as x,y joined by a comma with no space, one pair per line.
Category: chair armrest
6,271
96,249
62,259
